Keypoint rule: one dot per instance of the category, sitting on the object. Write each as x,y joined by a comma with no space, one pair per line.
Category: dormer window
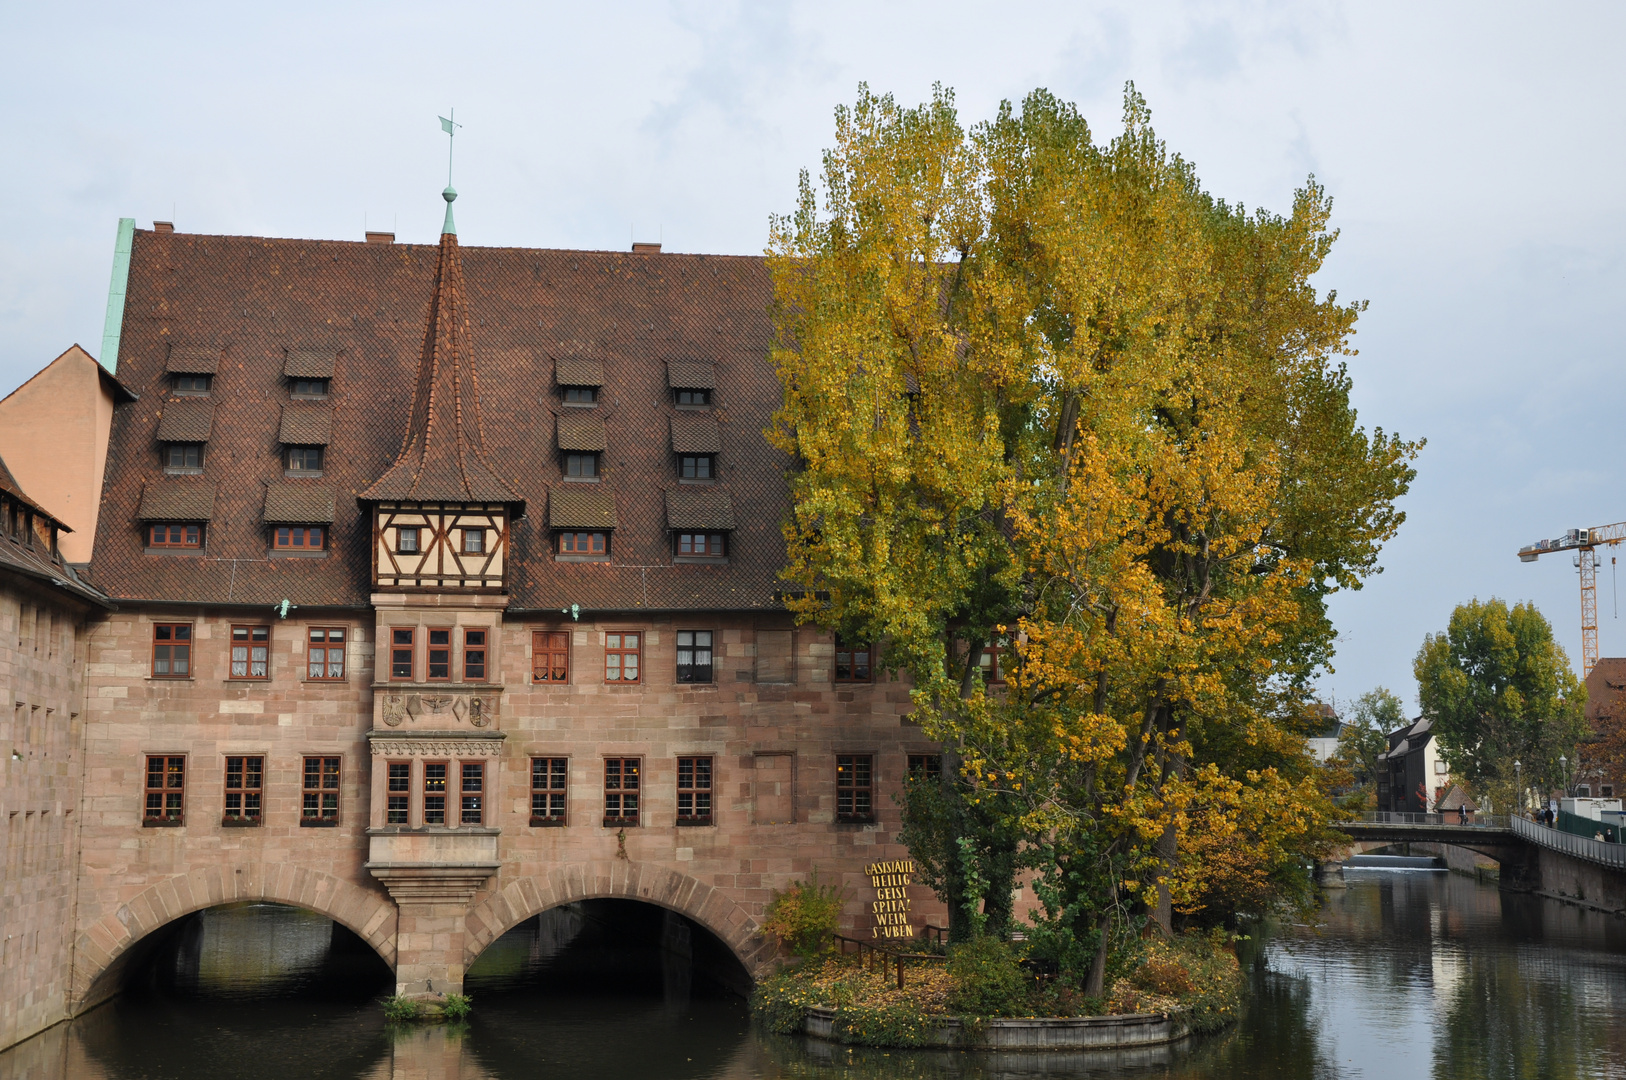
299,538
581,466
175,536
581,395
583,543
193,385
697,467
314,389
183,458
305,460
701,545
694,398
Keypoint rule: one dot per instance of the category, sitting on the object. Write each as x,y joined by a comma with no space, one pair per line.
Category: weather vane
449,126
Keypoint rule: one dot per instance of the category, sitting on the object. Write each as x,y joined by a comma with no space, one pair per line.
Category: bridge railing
1581,847
1397,817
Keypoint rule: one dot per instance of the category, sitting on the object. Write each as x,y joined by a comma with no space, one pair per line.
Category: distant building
1605,708
1323,735
1412,777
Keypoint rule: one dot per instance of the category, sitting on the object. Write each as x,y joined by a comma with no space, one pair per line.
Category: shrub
398,1009
803,917
457,1006
988,980
1164,975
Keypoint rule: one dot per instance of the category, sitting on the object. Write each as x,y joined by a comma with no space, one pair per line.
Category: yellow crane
1584,542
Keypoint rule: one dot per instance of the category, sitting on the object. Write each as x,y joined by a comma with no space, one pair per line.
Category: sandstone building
433,587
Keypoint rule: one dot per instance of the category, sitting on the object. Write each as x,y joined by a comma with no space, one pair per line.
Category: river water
1400,975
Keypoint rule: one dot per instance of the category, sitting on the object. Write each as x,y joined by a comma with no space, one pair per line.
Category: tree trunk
1098,966
1163,913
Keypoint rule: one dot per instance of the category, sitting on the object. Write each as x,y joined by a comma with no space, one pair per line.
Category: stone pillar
434,902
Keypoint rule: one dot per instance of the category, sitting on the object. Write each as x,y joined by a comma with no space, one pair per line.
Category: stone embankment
1037,1033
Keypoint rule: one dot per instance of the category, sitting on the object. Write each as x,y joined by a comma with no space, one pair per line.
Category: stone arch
102,945
520,898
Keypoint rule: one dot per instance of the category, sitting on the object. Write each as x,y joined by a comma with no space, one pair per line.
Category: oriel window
250,651
305,459
855,787
399,794
183,456
440,655
621,779
401,653
581,465
694,656
320,803
175,536
550,656
852,662
701,545
245,779
434,793
583,543
172,650
694,791
696,467
473,793
325,659
550,777
474,656
621,658
166,788
299,538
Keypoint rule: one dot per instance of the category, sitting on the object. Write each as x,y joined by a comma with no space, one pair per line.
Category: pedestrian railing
876,958
1581,847
1397,817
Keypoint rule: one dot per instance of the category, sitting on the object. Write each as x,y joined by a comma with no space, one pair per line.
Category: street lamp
1518,781
1564,773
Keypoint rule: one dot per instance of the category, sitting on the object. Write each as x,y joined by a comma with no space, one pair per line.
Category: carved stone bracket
436,744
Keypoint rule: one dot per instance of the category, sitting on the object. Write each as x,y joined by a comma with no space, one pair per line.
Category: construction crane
1584,542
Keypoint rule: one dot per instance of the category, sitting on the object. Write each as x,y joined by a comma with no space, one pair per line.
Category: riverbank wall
1034,1033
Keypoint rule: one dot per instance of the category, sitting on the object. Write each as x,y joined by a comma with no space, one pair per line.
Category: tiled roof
573,371
305,425
577,432
695,435
9,485
177,500
193,360
699,508
686,376
370,303
581,506
310,363
186,420
298,502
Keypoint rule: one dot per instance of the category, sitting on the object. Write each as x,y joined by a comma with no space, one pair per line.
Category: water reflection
1402,975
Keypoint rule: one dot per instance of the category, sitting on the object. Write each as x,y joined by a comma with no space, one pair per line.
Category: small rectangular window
581,465
992,672
299,538
926,766
320,792
473,793
700,545
474,541
550,777
855,787
172,650
440,655
183,456
694,656
325,659
310,388
581,395
306,459
620,658
474,656
583,543
1583,791
550,656
694,791
166,788
244,786
694,397
434,793
696,467
406,540
852,662
192,385
621,791
401,653
175,536
1607,791
400,793
250,651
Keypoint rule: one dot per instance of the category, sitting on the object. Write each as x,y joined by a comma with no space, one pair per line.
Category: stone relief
478,709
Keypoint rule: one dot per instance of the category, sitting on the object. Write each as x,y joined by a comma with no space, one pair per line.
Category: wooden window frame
401,532
993,672
860,800
476,654
191,391
586,464
550,797
704,466
190,538
284,537
327,646
158,641
703,396
691,767
851,651
694,647
183,447
307,391
597,541
552,648
620,650
431,792
170,797
398,793
580,395
319,796
471,801
621,791
700,545
925,767
304,469
478,537
410,645
431,647
248,766
248,645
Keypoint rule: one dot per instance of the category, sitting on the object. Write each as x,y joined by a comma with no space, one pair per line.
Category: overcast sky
1473,150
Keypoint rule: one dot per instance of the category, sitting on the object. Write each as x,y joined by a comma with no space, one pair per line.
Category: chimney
646,249
169,227
380,237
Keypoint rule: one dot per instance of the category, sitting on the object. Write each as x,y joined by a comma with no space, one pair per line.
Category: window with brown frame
550,777
992,672
621,658
621,791
694,656
701,545
183,457
550,656
473,792
399,796
172,650
166,789
250,652
852,663
694,791
402,667
440,655
325,659
245,781
855,787
583,543
434,793
192,385
406,540
175,536
925,767
306,460
320,804
299,538
581,466
695,466
474,656
474,541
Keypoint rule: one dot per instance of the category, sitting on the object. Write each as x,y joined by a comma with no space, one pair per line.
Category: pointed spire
442,457
449,227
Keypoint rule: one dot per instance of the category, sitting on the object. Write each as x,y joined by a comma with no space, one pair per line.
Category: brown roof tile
9,485
574,371
298,503
192,360
305,425
186,421
695,435
581,506
685,375
177,500
582,433
310,363
699,508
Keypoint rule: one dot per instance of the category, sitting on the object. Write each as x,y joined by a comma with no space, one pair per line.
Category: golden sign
891,905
